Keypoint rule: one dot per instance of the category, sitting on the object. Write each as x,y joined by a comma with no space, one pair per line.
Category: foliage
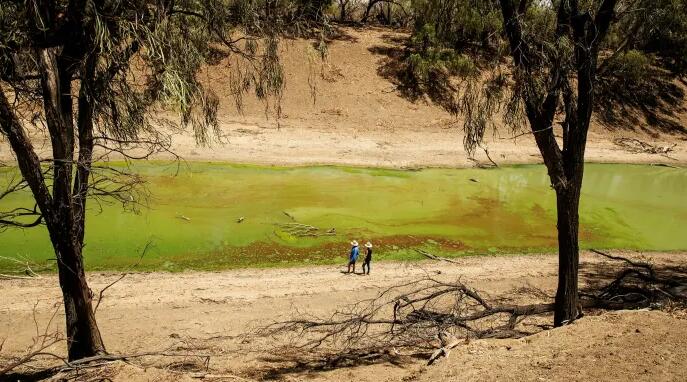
459,24
656,28
668,40
145,55
645,51
429,56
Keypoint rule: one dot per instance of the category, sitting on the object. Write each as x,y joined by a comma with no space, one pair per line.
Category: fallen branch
107,358
433,257
425,314
637,264
432,317
663,165
92,362
636,146
445,349
182,217
638,286
217,376
486,152
12,277
29,273
304,230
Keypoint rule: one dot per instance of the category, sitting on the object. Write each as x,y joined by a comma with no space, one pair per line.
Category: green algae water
192,219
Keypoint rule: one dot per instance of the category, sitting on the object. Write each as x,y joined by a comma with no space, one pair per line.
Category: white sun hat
354,243
368,244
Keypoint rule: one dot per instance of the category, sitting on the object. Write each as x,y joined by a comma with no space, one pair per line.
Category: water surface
192,217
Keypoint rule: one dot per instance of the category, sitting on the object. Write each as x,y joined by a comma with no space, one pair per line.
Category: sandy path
159,310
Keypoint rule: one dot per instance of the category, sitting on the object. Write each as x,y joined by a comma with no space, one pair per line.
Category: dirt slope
360,117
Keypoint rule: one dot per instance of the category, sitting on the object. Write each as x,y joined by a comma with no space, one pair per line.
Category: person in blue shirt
354,256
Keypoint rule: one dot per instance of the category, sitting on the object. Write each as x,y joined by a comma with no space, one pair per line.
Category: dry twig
425,314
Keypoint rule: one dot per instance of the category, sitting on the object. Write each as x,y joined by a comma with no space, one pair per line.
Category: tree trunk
83,335
567,298
82,331
366,15
65,227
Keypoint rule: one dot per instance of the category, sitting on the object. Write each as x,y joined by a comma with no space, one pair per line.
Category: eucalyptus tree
542,66
89,74
554,49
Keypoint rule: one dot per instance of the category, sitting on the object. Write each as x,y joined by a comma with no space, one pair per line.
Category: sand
208,312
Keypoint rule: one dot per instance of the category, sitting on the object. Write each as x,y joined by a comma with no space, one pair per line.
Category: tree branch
28,161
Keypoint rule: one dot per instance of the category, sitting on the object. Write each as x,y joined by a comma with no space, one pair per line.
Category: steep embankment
359,116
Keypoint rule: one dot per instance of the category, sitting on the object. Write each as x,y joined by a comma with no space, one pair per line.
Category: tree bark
66,229
567,298
366,15
83,335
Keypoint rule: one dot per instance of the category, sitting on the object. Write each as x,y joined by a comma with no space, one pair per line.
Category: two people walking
355,253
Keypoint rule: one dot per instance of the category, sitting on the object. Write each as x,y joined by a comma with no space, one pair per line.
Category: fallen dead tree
428,317
637,146
25,272
304,230
425,315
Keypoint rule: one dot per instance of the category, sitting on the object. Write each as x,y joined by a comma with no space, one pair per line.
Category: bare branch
124,274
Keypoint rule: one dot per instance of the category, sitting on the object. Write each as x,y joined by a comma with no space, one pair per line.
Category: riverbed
216,215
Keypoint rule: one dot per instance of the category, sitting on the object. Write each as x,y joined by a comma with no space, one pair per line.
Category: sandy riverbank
207,311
